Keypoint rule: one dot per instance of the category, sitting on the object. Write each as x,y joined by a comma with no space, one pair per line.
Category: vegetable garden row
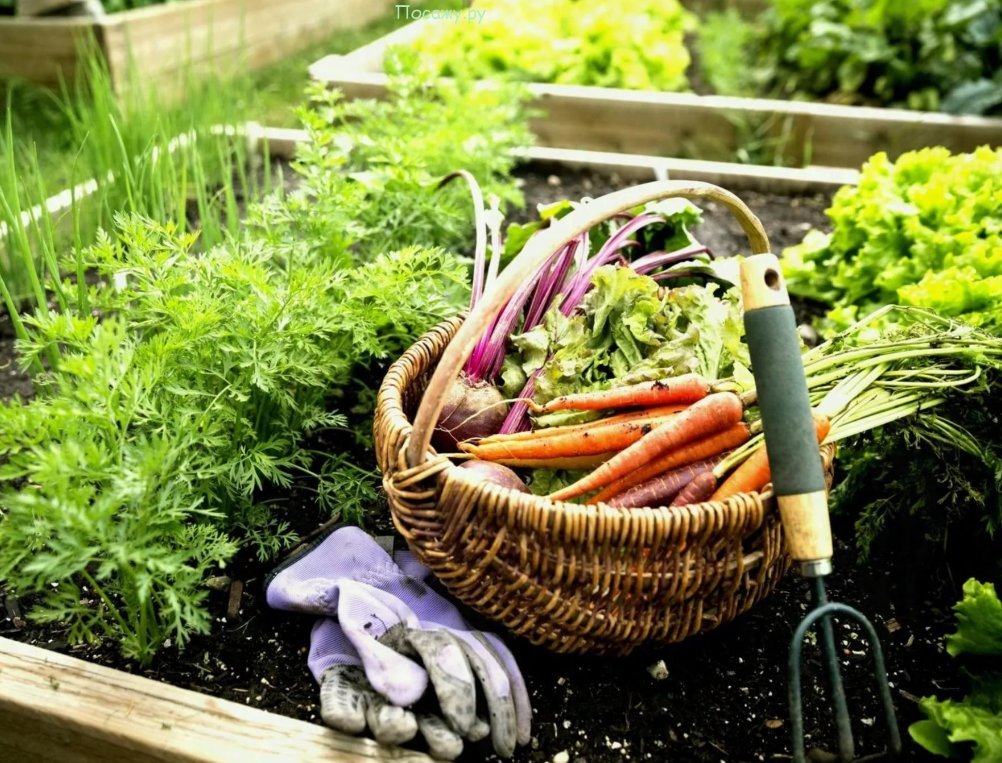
212,357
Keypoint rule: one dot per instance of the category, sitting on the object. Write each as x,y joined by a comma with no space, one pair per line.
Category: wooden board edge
368,60
282,142
785,180
708,126
65,709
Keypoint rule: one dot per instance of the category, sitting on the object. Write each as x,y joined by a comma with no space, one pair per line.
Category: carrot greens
178,384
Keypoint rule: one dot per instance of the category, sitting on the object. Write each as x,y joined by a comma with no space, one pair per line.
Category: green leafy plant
905,487
720,35
929,54
151,435
588,42
374,165
177,380
920,231
125,152
971,728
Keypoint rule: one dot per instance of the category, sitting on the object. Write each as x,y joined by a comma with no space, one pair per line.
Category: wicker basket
573,578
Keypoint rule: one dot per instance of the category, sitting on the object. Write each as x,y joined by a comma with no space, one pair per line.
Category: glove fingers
450,674
519,693
480,730
343,698
388,723
497,692
367,616
443,742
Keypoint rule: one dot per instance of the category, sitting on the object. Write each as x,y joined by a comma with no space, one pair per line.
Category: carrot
659,490
687,388
753,475
713,413
535,434
597,438
558,462
694,451
699,489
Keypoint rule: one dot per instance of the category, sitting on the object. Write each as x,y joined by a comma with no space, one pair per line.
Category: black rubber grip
792,445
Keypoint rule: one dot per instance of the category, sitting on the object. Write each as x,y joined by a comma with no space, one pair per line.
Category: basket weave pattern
573,578
569,577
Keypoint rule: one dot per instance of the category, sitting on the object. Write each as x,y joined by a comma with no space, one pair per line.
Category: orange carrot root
587,441
619,418
687,388
714,413
558,462
698,450
753,474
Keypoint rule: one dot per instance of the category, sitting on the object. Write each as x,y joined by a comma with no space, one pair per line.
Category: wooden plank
224,35
708,127
41,50
282,142
782,180
165,40
63,710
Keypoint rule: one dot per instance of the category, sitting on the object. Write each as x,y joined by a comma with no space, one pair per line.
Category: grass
54,140
274,94
141,158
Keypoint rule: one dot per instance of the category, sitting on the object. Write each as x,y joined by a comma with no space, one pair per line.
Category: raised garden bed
59,708
708,127
164,42
718,697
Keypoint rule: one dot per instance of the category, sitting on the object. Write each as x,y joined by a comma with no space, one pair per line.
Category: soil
718,697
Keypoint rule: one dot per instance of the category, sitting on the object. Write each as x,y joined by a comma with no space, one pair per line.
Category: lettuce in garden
628,331
637,45
934,55
970,729
924,231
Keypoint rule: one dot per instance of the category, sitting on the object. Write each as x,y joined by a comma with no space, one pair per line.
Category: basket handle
536,252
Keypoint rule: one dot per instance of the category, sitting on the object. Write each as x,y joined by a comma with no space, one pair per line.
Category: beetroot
496,473
472,409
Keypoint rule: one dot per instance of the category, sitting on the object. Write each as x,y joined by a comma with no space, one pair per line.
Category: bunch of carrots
681,441
687,440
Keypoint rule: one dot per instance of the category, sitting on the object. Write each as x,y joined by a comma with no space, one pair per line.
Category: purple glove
385,617
348,702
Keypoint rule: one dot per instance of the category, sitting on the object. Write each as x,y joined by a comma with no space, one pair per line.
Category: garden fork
799,485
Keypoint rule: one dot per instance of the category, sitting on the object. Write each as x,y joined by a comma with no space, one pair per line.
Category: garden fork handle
798,477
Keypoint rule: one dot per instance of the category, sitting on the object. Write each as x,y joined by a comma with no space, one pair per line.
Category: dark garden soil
719,697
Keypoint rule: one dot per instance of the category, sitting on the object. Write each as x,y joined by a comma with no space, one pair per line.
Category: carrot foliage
181,385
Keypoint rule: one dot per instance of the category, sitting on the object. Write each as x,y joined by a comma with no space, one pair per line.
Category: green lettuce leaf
972,727
628,331
923,230
979,621
976,720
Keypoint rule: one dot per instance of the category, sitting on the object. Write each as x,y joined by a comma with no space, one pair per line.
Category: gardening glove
348,702
389,617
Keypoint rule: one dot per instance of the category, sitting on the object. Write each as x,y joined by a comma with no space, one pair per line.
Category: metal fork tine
843,726
824,614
